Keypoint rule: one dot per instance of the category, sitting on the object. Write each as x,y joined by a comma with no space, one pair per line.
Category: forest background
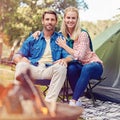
18,18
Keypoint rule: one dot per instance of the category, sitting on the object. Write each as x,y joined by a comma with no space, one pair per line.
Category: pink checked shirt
82,51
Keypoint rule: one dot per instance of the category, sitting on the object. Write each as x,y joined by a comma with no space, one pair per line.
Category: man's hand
36,34
24,59
18,58
61,62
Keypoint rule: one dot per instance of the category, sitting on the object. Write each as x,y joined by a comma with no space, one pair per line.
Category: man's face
49,22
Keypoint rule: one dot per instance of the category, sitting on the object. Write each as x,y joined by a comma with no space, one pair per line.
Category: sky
100,10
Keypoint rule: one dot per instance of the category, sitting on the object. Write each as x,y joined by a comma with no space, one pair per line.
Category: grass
6,75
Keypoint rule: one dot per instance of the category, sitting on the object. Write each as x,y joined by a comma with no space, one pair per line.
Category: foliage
7,75
7,17
117,16
20,17
5,37
60,5
7,8
96,28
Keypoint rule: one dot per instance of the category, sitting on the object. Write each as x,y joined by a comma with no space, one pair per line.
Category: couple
53,55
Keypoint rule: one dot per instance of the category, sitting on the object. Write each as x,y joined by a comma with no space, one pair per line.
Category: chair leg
91,94
90,88
62,95
65,94
67,90
44,92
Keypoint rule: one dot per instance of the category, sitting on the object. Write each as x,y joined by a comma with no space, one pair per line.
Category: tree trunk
1,45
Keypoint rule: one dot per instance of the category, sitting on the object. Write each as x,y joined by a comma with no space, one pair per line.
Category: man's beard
51,28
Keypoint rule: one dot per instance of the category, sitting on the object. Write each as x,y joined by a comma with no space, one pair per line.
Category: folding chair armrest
95,82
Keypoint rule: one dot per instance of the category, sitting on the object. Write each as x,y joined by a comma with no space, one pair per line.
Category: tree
60,5
7,8
19,17
117,16
7,16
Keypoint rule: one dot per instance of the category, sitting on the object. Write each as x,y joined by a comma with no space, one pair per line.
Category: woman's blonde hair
77,28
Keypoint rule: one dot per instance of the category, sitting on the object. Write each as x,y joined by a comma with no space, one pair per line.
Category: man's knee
62,69
21,67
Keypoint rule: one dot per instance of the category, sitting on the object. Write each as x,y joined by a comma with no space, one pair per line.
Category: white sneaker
72,103
79,103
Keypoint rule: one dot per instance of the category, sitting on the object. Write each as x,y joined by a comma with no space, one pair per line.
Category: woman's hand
36,34
61,42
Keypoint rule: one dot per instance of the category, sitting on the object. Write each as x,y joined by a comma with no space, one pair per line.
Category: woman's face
70,19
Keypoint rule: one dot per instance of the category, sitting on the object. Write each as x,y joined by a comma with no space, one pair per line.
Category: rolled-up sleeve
80,46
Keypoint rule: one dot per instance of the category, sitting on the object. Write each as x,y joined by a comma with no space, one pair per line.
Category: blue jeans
79,76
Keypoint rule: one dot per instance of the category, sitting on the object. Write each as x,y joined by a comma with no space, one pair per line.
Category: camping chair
46,83
93,82
43,82
91,85
89,90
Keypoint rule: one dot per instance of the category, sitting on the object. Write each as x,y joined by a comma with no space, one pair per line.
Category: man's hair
50,12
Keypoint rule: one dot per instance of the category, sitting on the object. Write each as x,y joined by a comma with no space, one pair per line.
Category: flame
43,109
46,110
0,103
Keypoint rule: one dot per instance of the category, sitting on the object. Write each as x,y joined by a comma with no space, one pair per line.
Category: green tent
107,47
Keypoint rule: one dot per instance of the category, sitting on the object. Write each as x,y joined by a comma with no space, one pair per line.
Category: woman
87,64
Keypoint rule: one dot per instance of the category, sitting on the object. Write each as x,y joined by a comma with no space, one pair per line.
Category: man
43,57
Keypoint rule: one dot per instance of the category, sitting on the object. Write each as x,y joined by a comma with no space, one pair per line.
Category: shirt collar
42,34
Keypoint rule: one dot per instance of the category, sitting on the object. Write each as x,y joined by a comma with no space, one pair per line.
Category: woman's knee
71,68
88,68
91,70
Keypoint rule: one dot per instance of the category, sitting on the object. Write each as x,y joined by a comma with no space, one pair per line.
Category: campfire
26,102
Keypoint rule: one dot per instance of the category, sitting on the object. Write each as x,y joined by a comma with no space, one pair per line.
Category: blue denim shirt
34,49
